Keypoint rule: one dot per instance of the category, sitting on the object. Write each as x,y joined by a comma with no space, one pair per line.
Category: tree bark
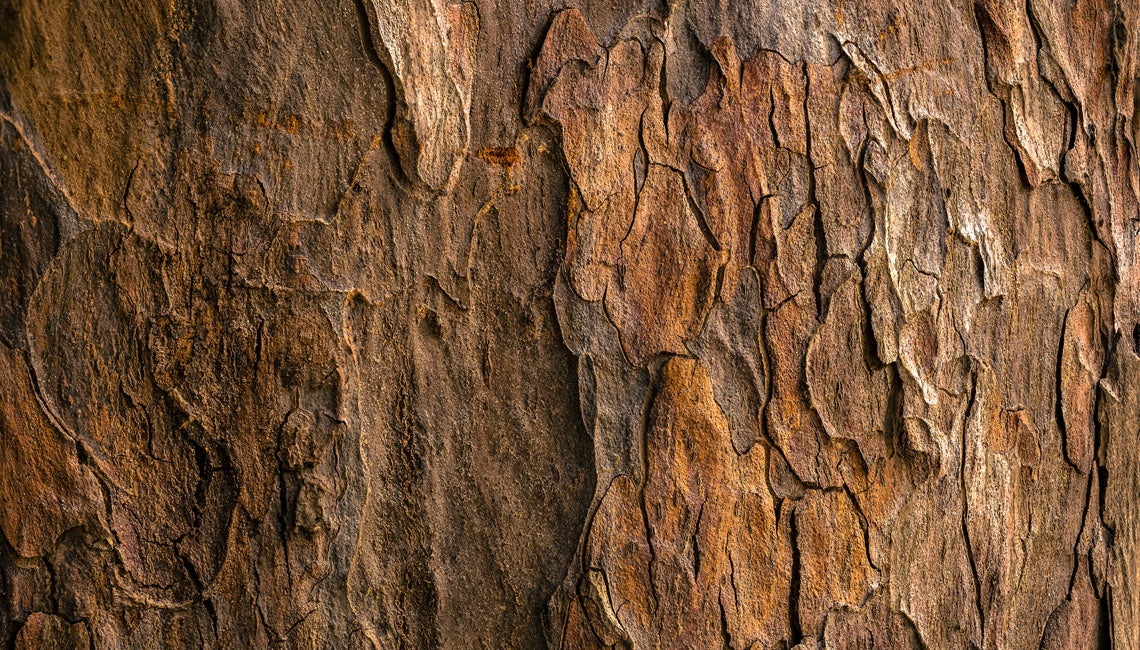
687,324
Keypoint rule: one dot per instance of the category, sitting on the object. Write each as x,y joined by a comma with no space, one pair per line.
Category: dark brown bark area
407,324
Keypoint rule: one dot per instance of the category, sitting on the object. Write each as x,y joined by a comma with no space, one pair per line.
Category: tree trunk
406,324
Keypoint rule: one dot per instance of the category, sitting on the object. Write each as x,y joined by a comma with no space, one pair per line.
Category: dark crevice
641,161
765,431
794,587
648,530
1076,545
610,319
870,352
718,288
772,117
1103,592
987,30
695,541
127,190
813,201
864,525
860,164
1058,402
283,512
970,413
1100,438
1066,98
1094,227
663,95
698,210
1104,624
754,231
526,87
725,635
390,89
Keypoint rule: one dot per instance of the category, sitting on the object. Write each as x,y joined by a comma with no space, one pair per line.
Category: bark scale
409,324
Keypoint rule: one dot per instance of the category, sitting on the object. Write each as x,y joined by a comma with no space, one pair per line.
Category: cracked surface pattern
587,325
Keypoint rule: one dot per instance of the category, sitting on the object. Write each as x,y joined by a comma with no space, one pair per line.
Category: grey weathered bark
687,324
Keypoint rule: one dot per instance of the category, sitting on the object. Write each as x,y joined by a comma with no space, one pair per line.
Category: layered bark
664,325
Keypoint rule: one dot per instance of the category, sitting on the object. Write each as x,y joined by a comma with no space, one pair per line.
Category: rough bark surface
582,325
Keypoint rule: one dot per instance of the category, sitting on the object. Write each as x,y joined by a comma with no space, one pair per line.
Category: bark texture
582,325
